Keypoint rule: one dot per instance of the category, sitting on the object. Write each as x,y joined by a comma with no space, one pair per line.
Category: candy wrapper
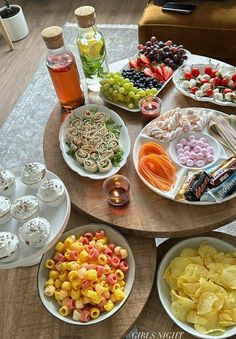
186,183
219,193
198,187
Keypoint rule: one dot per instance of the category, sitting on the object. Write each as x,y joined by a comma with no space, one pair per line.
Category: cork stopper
53,37
85,16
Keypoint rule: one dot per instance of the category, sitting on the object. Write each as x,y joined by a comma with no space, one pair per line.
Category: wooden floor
18,66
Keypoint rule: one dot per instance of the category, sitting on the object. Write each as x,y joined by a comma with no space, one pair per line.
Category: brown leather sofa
210,30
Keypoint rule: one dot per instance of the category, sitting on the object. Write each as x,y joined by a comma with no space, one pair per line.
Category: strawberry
213,73
234,77
194,89
204,81
195,72
133,63
209,92
144,59
167,72
158,73
169,43
188,75
208,70
217,81
224,82
148,72
227,90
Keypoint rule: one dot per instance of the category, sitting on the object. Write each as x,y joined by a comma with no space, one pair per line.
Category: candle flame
115,193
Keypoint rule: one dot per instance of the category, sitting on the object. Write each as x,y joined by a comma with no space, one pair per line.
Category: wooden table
148,214
23,316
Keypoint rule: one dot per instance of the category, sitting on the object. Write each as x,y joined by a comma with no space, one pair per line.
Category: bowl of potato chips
196,282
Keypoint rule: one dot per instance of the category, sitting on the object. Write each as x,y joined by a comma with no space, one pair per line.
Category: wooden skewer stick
5,34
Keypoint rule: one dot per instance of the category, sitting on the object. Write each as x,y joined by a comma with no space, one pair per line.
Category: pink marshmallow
183,142
197,149
200,156
200,163
210,158
202,139
206,145
182,160
210,149
204,151
192,155
180,151
191,137
186,148
178,146
194,143
186,153
190,162
201,143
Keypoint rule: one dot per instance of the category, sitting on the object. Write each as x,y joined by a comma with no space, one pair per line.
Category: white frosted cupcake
5,207
25,208
7,183
8,246
35,232
33,174
52,192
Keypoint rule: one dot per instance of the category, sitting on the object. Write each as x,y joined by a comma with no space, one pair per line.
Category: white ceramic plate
164,290
113,236
119,104
57,216
178,84
124,141
181,171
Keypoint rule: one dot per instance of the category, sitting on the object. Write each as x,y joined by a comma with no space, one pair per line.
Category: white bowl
211,141
113,236
164,290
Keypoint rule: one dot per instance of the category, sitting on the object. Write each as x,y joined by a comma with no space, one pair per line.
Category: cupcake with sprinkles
7,183
35,232
52,192
5,207
33,174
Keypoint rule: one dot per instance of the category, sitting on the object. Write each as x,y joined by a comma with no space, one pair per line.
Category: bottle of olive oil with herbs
91,45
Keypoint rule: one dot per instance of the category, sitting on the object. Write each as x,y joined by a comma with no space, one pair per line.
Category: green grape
118,73
127,99
102,89
131,94
141,93
154,91
134,89
126,81
116,86
137,96
121,90
106,93
110,90
116,78
115,93
136,103
120,97
106,87
102,82
149,91
126,85
111,81
131,105
112,74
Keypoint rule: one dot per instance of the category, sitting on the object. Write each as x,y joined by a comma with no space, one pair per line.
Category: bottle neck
57,51
88,32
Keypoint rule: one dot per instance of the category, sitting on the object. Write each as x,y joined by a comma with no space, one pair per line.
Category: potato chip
181,308
228,276
206,250
194,318
178,265
189,252
203,288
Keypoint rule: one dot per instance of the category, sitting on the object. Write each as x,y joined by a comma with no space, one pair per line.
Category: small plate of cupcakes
34,211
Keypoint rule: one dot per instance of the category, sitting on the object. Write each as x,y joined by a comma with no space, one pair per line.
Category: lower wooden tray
23,316
154,322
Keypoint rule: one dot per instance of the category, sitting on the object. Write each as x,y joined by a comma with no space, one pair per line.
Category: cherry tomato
234,77
194,89
195,71
217,81
227,90
224,81
209,92
188,75
208,70
213,73
204,81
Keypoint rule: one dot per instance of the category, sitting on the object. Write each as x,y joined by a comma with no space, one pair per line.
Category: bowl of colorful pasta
87,276
94,141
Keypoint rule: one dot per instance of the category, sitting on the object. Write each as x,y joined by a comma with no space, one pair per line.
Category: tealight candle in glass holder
150,107
117,190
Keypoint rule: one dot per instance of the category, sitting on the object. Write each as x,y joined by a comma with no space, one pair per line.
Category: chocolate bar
198,187
188,180
219,193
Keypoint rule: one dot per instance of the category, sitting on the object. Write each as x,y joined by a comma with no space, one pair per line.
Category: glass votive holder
117,190
150,107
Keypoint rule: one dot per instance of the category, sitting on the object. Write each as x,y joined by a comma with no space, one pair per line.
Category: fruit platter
187,155
94,141
208,82
146,74
34,211
99,268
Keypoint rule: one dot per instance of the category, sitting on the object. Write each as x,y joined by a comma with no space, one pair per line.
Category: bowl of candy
194,150
196,285
87,276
